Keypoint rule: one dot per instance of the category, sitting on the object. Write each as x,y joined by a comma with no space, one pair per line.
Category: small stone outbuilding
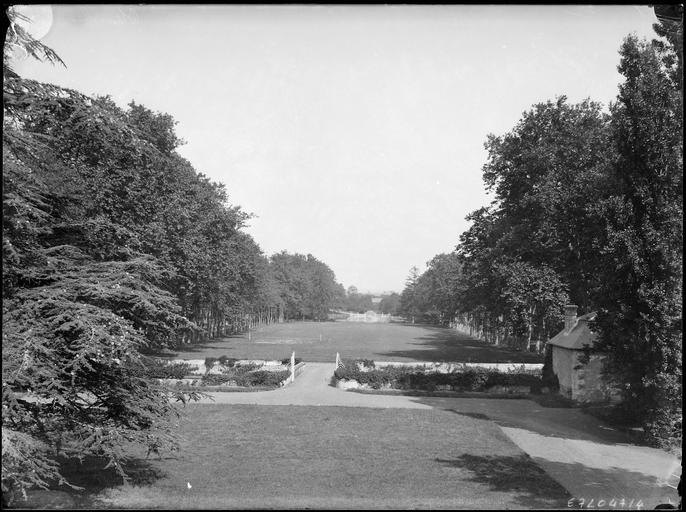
582,382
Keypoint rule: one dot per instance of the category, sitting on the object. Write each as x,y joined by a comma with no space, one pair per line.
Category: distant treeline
356,302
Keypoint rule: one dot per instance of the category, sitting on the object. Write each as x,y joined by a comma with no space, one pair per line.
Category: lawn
320,341
332,457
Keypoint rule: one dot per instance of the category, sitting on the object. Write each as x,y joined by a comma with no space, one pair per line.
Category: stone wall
591,386
582,382
441,367
563,361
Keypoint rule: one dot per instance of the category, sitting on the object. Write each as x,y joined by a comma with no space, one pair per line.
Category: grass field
333,457
319,342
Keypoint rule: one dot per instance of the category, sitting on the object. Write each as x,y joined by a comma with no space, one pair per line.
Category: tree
18,38
670,27
307,287
408,299
548,175
442,282
641,249
534,297
357,302
390,304
80,304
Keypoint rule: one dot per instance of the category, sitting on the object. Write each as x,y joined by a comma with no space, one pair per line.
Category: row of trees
117,190
114,246
587,210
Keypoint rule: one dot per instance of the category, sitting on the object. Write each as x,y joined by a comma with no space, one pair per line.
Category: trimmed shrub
157,369
463,378
246,378
247,367
262,378
216,379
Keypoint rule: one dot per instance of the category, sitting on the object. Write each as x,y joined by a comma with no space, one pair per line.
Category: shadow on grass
475,415
519,476
448,345
553,400
92,475
171,353
552,420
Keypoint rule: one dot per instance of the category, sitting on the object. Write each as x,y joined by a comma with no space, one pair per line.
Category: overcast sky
354,133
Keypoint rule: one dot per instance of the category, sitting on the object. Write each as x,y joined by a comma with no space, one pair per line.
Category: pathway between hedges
590,459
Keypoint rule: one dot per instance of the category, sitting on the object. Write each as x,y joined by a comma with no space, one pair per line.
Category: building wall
563,362
581,382
591,386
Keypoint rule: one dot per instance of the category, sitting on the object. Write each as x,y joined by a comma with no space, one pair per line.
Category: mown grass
247,456
320,341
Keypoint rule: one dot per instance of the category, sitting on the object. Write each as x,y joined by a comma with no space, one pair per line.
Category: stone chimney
570,317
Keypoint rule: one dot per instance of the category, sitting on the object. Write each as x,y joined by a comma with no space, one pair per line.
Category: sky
353,133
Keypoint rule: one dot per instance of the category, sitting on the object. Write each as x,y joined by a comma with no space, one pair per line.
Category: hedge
247,378
228,362
466,378
157,369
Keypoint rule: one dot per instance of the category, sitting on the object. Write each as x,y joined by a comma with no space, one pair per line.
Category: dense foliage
356,302
306,287
160,369
639,297
432,296
588,210
244,377
353,301
81,301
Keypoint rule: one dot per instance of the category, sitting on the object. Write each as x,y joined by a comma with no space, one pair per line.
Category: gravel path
591,460
312,387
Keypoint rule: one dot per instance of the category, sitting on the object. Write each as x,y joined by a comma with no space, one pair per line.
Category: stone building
582,382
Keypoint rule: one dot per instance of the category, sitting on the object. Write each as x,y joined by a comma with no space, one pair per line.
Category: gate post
293,367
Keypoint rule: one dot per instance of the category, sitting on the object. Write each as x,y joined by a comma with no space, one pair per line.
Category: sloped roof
579,336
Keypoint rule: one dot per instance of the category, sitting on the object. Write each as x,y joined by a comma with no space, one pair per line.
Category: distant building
582,382
369,316
376,300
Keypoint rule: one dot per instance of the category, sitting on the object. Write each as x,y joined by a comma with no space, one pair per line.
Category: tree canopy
587,209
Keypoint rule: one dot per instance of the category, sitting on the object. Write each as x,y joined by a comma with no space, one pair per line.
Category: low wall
495,390
449,367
